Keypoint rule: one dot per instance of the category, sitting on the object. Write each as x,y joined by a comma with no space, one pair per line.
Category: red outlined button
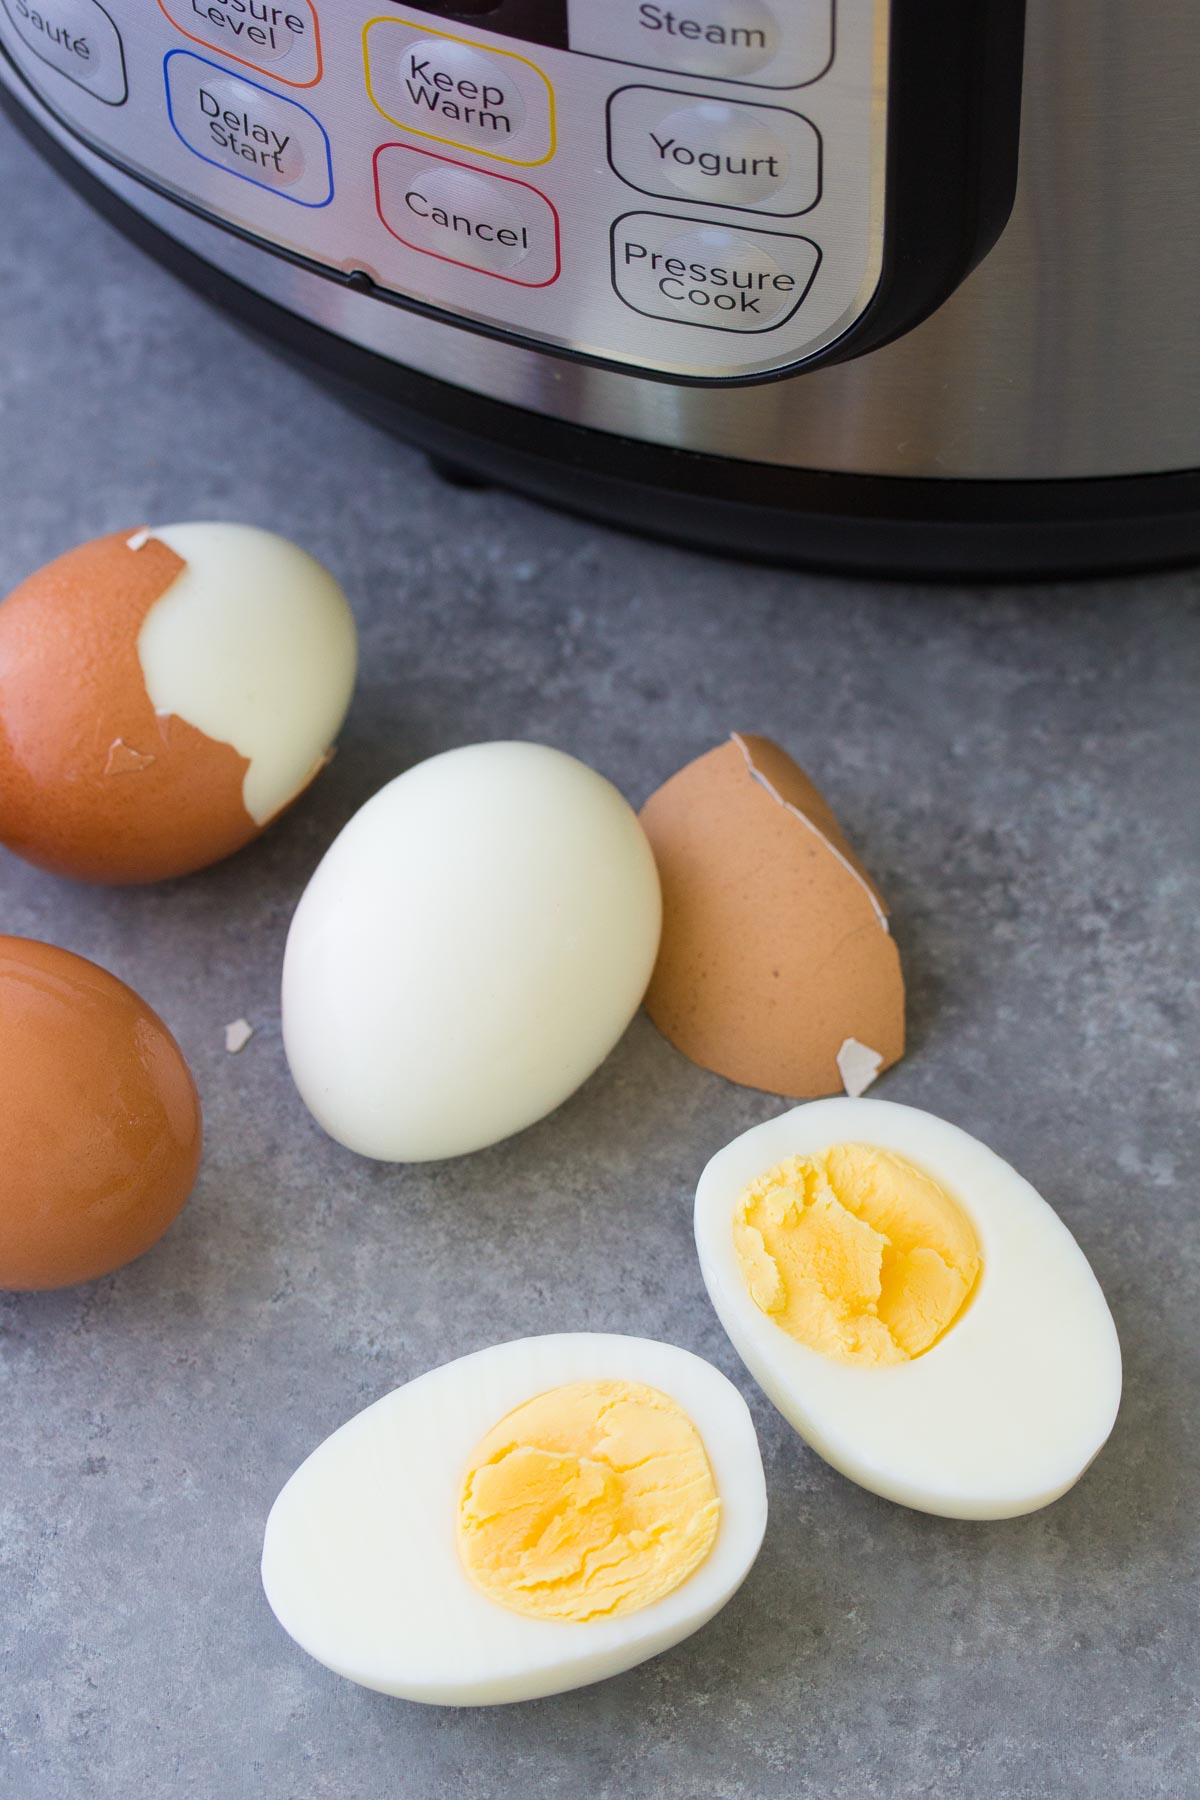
471,217
279,38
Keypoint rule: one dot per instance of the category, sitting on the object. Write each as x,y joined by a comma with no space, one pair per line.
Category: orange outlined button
279,38
494,224
456,92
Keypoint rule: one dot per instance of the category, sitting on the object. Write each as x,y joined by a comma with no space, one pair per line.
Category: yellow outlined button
455,91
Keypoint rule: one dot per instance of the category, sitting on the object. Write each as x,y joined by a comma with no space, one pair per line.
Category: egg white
1008,1409
360,1563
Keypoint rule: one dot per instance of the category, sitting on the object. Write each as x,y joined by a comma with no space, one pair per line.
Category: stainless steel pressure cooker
905,285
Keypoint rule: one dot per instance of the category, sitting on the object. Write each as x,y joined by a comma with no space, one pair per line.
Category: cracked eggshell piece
360,1560
1009,1408
469,951
164,695
775,948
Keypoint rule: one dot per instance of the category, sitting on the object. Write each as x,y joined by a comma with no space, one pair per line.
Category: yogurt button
491,223
720,152
243,128
77,38
706,275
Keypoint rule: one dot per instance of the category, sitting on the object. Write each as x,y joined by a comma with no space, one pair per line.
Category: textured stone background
1019,768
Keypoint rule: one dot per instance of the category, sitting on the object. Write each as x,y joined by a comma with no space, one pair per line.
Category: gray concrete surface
1019,767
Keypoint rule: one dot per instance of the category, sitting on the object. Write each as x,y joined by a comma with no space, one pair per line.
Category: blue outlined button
247,130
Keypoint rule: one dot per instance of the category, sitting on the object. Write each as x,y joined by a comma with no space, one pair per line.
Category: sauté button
721,152
244,128
492,223
280,38
77,38
709,275
454,92
784,44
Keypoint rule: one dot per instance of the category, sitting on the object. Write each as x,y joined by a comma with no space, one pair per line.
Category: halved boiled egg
533,1517
911,1305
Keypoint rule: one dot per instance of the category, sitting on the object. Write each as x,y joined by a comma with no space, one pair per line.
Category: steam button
784,44
77,38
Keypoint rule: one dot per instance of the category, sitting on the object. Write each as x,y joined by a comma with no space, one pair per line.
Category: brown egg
100,1129
776,956
163,696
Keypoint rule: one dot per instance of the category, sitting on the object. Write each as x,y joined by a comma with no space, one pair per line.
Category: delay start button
491,223
709,275
77,38
247,130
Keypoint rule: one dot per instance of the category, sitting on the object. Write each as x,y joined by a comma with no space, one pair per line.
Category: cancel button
710,275
492,223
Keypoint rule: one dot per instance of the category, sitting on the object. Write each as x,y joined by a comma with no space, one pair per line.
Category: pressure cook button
785,44
454,92
280,38
708,275
239,126
77,38
491,223
722,152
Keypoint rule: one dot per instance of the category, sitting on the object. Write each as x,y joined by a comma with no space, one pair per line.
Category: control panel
694,188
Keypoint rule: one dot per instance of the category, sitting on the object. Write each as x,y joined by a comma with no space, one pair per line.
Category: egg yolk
588,1502
856,1253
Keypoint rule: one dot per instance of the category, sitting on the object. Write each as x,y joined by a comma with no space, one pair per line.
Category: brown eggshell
775,945
93,783
100,1128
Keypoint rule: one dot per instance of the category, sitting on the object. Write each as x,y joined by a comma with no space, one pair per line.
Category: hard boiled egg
531,1518
165,694
468,952
911,1305
100,1129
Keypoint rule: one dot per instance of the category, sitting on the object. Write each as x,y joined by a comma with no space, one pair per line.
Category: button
710,275
244,128
491,223
281,39
77,38
720,152
782,45
453,91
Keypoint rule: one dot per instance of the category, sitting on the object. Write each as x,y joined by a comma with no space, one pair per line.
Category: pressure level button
718,151
708,275
280,38
79,39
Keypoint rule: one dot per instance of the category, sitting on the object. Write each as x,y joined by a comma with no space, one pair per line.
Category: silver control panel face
693,189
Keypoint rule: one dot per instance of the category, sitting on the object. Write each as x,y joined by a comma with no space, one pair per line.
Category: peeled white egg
360,1560
1010,1406
469,951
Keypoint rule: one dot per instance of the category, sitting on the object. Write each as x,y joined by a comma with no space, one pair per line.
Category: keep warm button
710,275
492,223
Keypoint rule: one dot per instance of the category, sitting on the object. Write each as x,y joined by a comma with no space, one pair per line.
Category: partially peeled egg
913,1307
164,695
